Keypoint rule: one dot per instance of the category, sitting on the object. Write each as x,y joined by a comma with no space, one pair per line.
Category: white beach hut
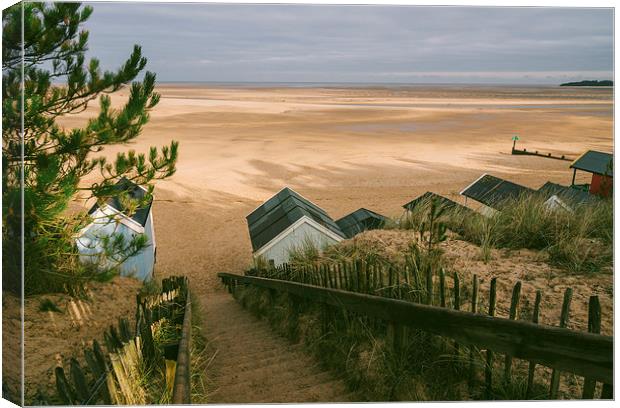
109,220
287,221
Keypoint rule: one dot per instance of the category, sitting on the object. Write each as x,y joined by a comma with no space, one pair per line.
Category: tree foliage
59,80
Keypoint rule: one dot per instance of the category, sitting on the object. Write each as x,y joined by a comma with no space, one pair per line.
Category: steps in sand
255,364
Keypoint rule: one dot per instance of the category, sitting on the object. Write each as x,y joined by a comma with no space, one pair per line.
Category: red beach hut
601,166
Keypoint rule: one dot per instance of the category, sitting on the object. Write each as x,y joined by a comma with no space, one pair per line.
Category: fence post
358,274
381,283
391,281
532,365
594,326
555,374
339,274
67,395
457,303
366,277
442,287
514,314
473,349
79,381
488,370
429,285
407,281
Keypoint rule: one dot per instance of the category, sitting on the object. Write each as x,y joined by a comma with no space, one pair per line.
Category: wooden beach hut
426,198
565,197
418,209
492,192
600,165
110,220
359,221
287,221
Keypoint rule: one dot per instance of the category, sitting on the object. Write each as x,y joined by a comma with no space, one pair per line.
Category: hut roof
280,212
360,220
426,197
493,191
134,191
594,162
567,194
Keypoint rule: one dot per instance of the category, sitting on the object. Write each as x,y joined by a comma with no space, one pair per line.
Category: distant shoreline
378,85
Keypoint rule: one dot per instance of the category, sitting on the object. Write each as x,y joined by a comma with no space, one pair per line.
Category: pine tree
58,80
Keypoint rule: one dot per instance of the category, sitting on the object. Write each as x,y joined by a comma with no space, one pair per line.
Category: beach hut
492,192
359,221
565,197
600,165
425,198
418,209
287,221
109,220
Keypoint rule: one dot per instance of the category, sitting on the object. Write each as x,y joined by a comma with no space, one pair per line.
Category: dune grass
579,241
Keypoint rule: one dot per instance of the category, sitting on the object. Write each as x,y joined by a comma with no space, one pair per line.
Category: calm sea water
351,85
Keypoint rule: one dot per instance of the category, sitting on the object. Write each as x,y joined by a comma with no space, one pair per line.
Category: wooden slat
79,381
584,354
594,326
473,349
182,380
488,368
532,365
429,285
514,314
457,303
555,374
442,288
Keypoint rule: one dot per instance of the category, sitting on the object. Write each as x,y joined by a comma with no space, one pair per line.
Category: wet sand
344,148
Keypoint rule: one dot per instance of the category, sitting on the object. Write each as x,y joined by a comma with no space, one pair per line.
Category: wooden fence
372,292
113,377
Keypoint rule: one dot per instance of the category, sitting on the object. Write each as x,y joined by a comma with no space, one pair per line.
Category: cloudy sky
301,43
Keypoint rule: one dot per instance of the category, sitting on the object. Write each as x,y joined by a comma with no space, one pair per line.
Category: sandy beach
344,148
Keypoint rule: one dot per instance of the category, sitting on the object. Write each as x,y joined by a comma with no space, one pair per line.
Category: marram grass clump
579,240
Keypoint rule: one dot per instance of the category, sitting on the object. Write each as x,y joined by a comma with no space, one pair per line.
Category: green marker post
514,142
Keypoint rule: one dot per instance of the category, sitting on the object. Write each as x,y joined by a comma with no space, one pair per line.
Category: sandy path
253,365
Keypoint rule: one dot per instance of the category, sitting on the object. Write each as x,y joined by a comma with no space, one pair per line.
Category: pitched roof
594,162
280,212
492,191
360,220
134,191
426,197
567,194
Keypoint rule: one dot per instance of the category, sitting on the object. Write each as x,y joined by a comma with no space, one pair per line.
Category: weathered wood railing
585,354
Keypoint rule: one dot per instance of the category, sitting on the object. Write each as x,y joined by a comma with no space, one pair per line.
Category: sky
361,44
